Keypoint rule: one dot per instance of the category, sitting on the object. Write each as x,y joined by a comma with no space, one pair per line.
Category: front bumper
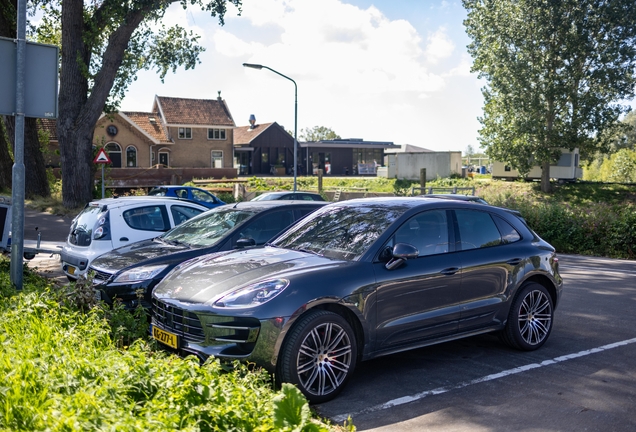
205,335
131,295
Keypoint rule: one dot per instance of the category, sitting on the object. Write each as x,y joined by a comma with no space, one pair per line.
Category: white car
109,223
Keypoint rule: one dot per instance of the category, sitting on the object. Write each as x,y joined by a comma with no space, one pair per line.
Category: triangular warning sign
102,157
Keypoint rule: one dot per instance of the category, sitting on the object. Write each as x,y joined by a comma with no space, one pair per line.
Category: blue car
197,195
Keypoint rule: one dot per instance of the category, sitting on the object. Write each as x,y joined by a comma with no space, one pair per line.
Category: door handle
514,261
123,239
450,271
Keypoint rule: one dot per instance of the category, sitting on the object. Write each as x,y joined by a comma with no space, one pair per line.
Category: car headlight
140,273
253,295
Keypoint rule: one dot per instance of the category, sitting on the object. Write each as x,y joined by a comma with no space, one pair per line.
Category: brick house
177,132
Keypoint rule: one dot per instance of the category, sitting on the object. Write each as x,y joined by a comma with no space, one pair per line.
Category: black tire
319,371
530,318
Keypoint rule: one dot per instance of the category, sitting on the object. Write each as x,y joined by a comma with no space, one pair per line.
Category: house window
216,134
131,156
185,133
217,159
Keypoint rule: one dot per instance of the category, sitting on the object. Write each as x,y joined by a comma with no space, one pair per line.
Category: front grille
99,275
181,322
220,330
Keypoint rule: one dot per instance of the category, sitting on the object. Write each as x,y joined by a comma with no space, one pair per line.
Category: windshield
158,192
341,232
207,228
82,226
265,197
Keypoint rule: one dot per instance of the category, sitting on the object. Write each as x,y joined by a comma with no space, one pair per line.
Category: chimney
219,96
252,121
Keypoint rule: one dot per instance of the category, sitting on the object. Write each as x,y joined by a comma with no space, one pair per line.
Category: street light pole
258,66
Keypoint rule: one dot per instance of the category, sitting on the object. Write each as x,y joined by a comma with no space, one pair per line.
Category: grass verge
63,370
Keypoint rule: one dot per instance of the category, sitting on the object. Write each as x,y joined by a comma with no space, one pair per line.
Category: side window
181,193
477,230
148,218
203,196
181,214
508,233
265,227
427,231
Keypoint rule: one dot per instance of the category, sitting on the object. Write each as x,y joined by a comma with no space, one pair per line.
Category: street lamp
257,66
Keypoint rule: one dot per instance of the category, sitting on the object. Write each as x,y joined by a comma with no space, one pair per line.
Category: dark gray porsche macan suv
360,279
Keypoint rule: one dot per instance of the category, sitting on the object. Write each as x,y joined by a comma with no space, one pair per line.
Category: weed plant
64,369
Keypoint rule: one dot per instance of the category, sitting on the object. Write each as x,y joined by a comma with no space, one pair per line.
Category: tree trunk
80,108
6,162
546,186
37,183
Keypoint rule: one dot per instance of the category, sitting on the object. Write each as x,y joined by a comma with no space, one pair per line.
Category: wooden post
319,181
423,178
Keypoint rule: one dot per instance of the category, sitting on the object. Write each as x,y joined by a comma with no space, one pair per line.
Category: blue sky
389,70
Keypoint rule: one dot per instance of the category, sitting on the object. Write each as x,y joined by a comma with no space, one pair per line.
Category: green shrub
226,197
64,370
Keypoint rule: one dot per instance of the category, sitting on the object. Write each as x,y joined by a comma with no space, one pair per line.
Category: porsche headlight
140,273
253,295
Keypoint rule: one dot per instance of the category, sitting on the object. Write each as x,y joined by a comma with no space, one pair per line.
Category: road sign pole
102,181
19,177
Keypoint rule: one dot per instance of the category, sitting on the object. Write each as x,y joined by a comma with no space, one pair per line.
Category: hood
147,251
205,279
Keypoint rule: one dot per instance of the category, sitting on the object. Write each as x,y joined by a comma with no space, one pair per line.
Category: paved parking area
583,379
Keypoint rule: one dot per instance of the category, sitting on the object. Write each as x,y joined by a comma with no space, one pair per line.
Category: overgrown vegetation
581,218
65,368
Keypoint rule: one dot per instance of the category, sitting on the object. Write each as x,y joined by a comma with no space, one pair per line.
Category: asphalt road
583,379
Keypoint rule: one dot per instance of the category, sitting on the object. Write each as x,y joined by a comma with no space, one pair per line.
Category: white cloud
358,72
330,42
439,46
230,45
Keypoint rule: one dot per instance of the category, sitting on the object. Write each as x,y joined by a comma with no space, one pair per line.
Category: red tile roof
181,111
150,123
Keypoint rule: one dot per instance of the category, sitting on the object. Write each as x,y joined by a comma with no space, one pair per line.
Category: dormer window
216,134
185,133
152,120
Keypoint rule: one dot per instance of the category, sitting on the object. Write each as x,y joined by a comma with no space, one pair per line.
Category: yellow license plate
165,337
71,270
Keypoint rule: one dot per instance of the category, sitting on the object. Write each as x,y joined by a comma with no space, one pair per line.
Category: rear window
158,191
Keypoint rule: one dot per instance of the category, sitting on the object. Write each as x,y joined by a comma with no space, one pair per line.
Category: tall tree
318,133
104,45
36,183
555,71
627,139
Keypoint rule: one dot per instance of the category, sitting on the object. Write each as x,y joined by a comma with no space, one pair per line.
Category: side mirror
401,252
245,242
